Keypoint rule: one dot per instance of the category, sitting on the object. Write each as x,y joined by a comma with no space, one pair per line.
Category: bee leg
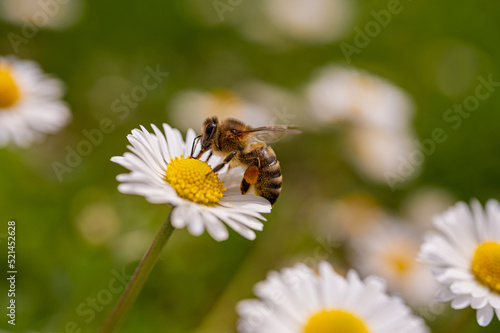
202,150
195,142
244,187
224,162
199,154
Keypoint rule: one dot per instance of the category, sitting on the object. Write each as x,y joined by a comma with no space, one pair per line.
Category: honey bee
242,145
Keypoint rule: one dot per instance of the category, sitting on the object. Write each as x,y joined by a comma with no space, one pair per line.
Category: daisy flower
348,216
378,114
30,103
297,300
285,23
163,172
465,256
339,93
382,155
390,251
312,21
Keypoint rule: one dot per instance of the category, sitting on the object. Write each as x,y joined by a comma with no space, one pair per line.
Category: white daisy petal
244,201
190,135
195,224
478,303
494,300
241,229
149,159
493,213
146,155
460,302
484,316
179,217
215,227
162,143
463,287
290,298
463,255
445,295
154,148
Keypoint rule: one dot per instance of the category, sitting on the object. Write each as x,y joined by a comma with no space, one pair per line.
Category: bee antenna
195,142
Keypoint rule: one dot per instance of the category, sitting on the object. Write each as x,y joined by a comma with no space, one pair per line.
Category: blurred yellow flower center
194,180
225,103
335,321
486,265
9,94
399,263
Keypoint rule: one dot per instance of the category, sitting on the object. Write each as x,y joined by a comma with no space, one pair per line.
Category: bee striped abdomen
270,180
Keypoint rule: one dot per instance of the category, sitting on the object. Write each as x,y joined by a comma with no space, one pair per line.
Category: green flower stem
140,277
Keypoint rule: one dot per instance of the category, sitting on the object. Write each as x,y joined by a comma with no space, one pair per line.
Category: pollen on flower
330,321
486,265
194,180
9,93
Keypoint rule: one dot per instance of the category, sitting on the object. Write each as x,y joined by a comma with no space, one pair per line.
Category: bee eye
209,130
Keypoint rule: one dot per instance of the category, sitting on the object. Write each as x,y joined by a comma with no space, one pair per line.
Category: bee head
208,131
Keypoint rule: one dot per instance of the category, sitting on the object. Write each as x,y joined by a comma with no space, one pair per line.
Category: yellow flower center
335,321
486,265
9,94
225,103
399,263
194,180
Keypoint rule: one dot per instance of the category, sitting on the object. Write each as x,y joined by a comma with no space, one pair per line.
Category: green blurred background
198,281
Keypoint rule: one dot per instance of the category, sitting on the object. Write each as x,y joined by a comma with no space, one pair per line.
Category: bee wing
270,134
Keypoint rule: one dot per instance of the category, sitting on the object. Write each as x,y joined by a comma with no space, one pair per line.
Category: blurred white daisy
378,116
30,103
420,206
315,20
297,300
98,223
390,251
34,14
465,256
348,216
383,156
339,94
281,22
163,172
130,246
189,106
255,103
281,105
